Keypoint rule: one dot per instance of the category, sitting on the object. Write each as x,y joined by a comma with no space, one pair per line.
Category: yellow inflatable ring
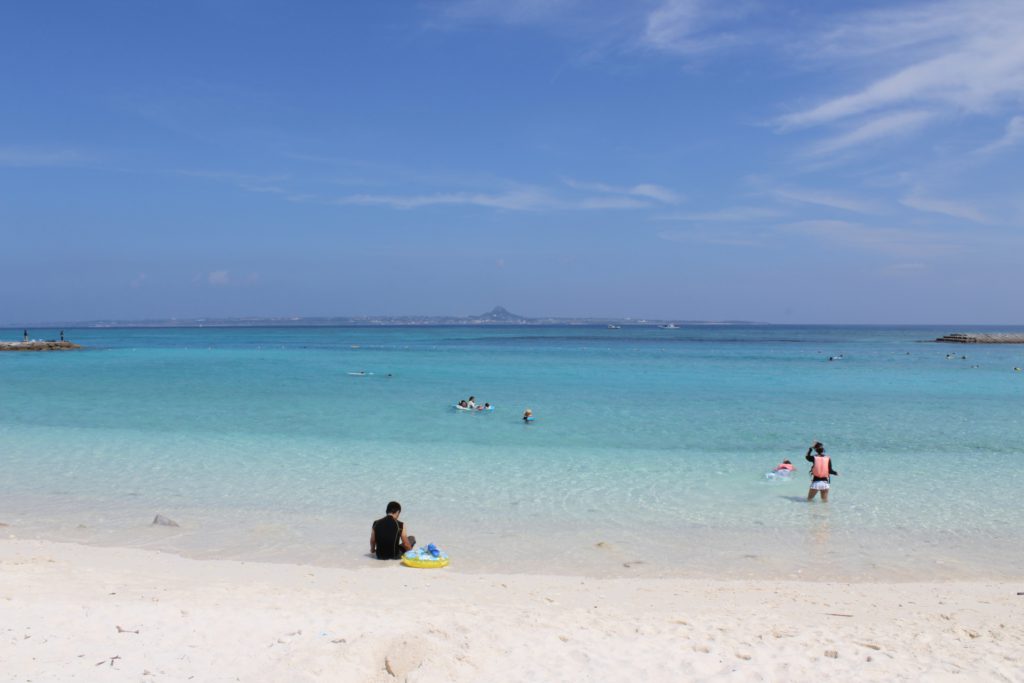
422,558
425,564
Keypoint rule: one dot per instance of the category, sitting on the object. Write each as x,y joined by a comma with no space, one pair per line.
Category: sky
788,162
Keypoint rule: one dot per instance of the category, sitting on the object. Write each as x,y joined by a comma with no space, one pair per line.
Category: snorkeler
821,471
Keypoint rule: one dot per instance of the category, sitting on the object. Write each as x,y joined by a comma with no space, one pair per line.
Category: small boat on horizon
614,327
670,326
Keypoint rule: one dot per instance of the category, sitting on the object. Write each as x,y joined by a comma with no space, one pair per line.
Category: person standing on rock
24,335
62,335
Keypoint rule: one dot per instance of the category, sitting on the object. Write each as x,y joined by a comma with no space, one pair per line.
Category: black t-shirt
387,531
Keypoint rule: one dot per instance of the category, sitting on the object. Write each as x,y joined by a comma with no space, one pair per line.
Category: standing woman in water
821,471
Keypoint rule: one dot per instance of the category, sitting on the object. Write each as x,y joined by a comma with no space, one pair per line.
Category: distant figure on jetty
62,335
821,471
24,335
387,537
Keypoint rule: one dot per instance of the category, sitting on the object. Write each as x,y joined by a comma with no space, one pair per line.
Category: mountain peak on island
499,314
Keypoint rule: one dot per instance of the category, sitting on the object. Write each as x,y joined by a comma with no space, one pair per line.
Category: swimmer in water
821,472
527,415
784,466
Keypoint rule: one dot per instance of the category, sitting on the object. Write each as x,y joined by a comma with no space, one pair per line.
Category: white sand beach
72,612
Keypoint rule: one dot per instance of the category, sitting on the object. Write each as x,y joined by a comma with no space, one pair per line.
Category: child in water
784,466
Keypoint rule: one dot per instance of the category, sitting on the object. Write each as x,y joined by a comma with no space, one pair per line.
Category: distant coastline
496,316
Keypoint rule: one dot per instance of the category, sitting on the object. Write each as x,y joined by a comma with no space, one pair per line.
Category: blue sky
784,162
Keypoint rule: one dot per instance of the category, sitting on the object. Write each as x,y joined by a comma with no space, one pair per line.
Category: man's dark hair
393,506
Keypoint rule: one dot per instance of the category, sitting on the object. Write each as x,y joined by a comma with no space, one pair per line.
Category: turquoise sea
648,455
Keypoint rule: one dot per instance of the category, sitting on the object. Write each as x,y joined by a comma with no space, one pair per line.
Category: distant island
496,316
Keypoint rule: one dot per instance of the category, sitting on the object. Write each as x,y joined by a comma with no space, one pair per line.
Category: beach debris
870,645
7,525
837,614
110,659
602,544
832,654
160,520
1020,592
125,630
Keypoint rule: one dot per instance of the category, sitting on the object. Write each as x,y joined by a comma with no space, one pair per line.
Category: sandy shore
70,612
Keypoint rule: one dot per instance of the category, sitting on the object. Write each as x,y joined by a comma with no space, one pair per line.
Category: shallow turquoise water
652,443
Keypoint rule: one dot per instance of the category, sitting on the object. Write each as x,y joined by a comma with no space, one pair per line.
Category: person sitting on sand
821,471
388,538
784,466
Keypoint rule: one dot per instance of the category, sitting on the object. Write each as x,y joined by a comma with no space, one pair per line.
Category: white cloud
218,278
832,200
688,27
527,200
944,206
955,56
888,125
1014,134
734,214
643,190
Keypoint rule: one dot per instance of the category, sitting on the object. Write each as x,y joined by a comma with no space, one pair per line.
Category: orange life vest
785,466
820,468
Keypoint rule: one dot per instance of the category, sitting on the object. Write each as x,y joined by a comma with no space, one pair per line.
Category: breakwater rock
36,345
983,338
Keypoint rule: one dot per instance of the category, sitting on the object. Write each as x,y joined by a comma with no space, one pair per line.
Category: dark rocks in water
45,345
160,520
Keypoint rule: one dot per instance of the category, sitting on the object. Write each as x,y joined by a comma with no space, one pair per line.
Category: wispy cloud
832,200
733,214
944,206
688,27
218,278
644,190
726,238
962,54
530,199
1013,135
40,156
951,58
519,12
875,129
892,241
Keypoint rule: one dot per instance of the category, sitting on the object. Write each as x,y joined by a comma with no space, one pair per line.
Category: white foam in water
647,456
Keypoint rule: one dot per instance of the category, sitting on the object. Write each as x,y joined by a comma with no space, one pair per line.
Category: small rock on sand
160,520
